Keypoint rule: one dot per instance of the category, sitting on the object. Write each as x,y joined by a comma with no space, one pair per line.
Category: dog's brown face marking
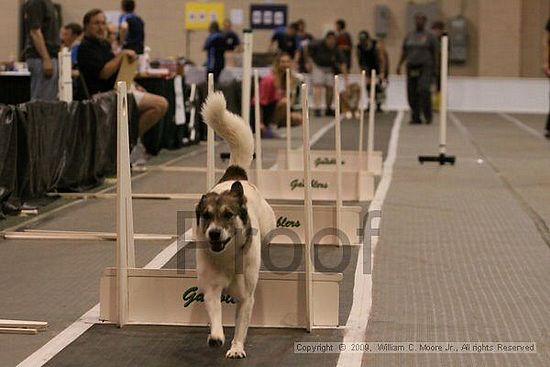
216,215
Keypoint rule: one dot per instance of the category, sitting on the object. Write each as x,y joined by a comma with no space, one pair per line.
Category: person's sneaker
139,155
428,122
547,134
317,113
329,112
413,122
268,133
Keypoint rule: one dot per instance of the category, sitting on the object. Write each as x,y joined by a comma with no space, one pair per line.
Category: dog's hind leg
243,314
212,300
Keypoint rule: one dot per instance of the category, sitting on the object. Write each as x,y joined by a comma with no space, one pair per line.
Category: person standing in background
343,40
215,47
232,40
419,51
547,69
71,35
131,28
371,57
303,38
41,47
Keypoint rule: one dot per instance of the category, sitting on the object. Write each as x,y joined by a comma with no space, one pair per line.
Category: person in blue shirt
232,40
215,47
131,28
71,35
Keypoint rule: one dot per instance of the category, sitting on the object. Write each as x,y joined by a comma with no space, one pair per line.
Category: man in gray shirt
419,50
41,48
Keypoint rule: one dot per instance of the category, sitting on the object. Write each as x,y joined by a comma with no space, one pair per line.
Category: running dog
349,101
233,220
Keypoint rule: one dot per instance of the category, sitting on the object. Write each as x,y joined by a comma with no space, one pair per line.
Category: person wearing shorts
326,60
99,67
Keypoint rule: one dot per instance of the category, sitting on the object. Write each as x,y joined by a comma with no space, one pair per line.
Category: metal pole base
441,158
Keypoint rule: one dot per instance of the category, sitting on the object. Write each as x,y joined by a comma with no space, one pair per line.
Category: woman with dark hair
215,47
273,100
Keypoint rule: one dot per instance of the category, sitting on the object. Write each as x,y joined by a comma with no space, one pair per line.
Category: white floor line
522,125
86,321
356,325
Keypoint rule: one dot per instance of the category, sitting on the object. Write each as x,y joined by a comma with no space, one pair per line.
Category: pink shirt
269,93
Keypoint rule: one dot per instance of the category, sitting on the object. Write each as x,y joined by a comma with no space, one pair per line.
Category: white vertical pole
443,100
192,113
372,102
362,112
257,116
338,141
308,207
288,122
210,158
125,228
65,81
247,74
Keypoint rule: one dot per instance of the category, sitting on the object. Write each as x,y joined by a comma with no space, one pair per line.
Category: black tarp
47,146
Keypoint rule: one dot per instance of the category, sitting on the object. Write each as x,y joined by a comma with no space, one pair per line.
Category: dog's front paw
236,351
215,341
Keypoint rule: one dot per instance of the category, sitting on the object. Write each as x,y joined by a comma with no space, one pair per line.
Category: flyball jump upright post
442,158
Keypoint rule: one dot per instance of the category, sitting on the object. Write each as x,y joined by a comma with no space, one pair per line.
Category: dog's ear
238,190
199,208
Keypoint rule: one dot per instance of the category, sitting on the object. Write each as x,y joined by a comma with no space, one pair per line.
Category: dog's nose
214,234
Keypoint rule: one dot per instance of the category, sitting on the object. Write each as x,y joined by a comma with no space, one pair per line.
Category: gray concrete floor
462,257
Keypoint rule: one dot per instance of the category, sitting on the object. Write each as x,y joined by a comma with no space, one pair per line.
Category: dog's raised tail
231,128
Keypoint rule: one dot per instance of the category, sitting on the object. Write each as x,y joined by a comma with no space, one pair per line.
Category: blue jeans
41,87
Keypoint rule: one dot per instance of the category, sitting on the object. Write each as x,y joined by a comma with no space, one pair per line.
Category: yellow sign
198,16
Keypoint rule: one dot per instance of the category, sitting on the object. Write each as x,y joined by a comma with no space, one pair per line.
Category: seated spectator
326,60
131,28
99,67
273,99
215,48
71,35
284,40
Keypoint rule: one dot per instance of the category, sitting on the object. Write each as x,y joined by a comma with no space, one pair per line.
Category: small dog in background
349,101
233,220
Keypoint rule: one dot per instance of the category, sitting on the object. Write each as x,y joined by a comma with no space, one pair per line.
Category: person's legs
151,109
412,90
424,94
43,88
317,79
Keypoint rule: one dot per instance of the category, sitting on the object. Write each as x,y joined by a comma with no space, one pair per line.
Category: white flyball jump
130,295
352,160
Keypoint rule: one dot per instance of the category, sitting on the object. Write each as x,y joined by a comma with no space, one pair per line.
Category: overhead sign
198,16
268,16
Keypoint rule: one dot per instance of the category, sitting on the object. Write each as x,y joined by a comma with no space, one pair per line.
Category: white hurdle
124,214
130,295
338,144
257,128
308,210
352,160
65,80
288,120
210,158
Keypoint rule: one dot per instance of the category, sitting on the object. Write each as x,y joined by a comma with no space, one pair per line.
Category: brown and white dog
233,219
349,101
